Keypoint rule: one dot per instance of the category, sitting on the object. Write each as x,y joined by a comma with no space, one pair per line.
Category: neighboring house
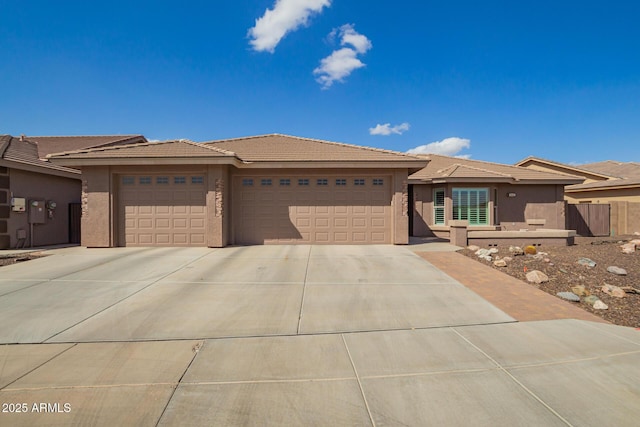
27,177
490,196
255,190
603,182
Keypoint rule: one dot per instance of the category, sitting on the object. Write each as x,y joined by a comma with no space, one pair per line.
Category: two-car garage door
312,209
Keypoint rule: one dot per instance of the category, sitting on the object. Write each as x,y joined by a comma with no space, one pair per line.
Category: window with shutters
471,204
438,206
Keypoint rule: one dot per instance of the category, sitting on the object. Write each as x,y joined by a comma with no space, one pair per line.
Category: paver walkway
519,300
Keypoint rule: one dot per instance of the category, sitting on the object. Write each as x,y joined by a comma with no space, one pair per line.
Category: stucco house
602,182
36,196
489,196
255,190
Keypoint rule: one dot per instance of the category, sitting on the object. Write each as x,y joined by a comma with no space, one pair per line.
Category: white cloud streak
447,147
342,62
286,16
386,129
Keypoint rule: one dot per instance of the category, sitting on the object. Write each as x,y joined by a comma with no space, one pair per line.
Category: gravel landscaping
569,270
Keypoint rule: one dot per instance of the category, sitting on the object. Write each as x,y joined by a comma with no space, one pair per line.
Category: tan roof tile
451,168
58,144
162,149
25,152
615,169
285,148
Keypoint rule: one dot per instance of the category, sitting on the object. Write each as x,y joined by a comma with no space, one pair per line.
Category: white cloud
446,147
342,62
286,16
387,129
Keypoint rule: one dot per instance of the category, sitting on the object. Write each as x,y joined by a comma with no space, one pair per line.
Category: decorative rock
614,291
507,259
500,263
516,250
635,242
599,305
591,299
482,252
536,276
493,251
530,250
587,262
617,270
569,296
485,257
580,290
473,248
636,233
547,260
538,257
628,248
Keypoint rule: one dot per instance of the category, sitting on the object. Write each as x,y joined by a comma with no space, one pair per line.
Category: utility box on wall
19,204
37,212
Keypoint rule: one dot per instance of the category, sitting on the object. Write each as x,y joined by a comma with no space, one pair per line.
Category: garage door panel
359,237
163,214
314,213
322,222
163,223
378,222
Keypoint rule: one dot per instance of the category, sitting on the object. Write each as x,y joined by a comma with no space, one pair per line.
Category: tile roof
454,168
613,174
615,169
58,144
162,149
24,152
572,170
285,148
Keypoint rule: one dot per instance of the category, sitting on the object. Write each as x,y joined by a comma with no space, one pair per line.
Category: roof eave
29,167
401,164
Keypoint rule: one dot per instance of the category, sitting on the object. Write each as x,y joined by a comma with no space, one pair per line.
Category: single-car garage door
162,210
316,209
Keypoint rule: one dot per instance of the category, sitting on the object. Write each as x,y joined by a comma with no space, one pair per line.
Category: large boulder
587,262
537,277
628,248
614,291
617,270
569,296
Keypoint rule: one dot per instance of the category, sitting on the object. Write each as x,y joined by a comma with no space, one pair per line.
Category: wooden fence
589,219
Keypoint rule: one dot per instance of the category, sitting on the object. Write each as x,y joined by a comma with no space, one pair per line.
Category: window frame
439,210
472,210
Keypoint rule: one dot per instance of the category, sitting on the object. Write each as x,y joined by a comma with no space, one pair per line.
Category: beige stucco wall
401,206
37,186
531,202
100,222
96,207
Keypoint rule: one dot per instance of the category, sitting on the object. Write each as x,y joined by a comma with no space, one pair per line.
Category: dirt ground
560,264
12,259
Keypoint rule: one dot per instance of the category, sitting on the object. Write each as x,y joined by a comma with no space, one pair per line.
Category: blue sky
494,80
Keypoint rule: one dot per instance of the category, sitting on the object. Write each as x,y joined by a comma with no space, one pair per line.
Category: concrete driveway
284,335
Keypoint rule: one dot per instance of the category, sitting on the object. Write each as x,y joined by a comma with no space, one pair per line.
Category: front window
471,204
438,206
